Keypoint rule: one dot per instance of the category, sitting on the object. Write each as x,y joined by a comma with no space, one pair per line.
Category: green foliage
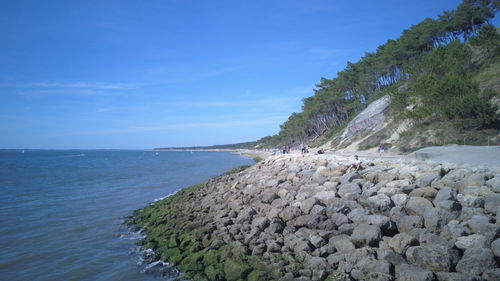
445,87
428,53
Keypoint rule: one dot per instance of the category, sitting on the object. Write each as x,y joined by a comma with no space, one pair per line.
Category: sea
62,212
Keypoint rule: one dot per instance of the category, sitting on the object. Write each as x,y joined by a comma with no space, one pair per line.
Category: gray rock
358,215
318,210
399,199
349,191
339,219
380,203
303,245
269,196
407,223
317,241
495,247
368,264
317,263
426,179
425,192
337,206
290,213
436,218
347,178
347,228
426,237
418,206
410,272
342,243
492,274
453,230
260,223
275,227
480,224
433,257
477,191
476,261
390,256
492,202
449,205
326,197
467,213
309,221
494,184
365,234
454,276
471,241
470,201
308,204
446,193
401,242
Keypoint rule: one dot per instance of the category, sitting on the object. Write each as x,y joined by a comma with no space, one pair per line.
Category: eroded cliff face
306,218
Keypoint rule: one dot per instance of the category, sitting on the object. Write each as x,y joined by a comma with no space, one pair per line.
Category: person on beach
381,148
356,165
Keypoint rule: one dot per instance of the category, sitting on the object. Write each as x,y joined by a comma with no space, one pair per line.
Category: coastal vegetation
435,67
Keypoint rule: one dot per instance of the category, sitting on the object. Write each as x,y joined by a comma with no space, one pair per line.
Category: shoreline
289,217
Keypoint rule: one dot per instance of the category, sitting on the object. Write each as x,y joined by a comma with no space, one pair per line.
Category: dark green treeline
433,60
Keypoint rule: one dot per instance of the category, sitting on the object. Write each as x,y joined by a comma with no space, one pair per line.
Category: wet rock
476,261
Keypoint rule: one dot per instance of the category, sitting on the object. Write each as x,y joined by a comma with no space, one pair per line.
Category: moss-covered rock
236,269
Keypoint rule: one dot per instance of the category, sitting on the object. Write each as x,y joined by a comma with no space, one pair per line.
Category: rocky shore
291,217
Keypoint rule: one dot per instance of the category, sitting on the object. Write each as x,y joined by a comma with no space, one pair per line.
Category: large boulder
433,257
410,272
418,206
471,241
491,203
446,193
401,242
349,191
365,234
476,261
380,203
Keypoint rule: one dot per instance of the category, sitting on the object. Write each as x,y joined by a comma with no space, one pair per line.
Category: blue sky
144,74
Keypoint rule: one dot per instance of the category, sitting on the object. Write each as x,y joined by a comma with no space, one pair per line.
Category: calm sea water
62,212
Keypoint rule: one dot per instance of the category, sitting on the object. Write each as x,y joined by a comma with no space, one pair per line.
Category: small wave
74,155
